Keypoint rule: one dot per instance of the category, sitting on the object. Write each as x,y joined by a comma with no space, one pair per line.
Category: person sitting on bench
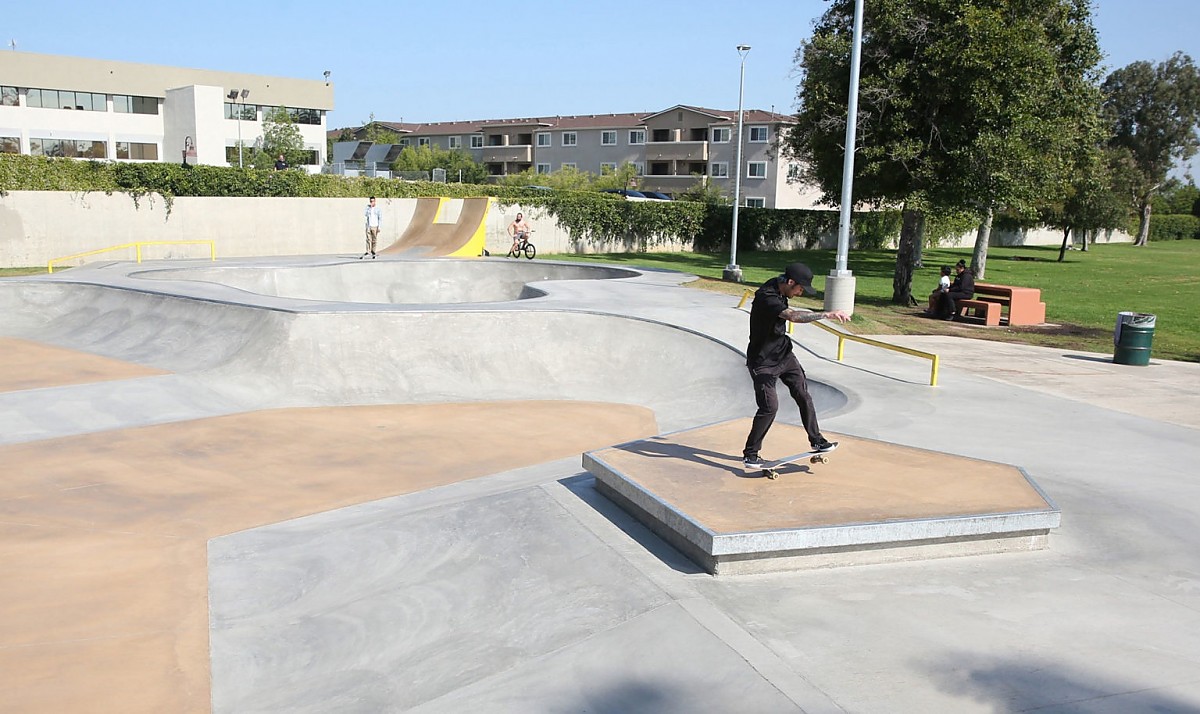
963,288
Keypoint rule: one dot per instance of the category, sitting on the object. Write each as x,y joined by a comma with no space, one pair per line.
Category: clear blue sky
469,59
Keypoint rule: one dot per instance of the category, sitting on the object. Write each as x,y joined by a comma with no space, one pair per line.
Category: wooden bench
987,310
1024,305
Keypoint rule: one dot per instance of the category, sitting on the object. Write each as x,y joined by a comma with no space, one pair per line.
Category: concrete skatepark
301,485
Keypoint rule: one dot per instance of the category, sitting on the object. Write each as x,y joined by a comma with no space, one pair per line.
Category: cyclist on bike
519,230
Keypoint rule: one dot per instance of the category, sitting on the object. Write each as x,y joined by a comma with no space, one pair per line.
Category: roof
626,120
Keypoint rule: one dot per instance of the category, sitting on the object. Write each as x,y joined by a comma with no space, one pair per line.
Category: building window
661,135
477,141
10,144
454,142
76,148
756,202
149,105
422,141
637,136
405,141
639,168
568,165
607,167
248,112
309,157
9,97
305,116
720,135
543,168
149,152
756,169
569,138
66,99
543,138
719,169
608,138
758,134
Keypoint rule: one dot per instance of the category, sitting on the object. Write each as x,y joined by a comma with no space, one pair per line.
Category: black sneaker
752,462
824,445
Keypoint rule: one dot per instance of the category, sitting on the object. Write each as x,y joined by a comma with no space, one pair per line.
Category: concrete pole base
839,293
732,273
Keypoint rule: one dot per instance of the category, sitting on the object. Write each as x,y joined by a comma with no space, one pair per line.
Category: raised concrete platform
873,502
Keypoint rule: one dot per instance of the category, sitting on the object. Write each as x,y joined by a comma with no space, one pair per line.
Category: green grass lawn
1083,294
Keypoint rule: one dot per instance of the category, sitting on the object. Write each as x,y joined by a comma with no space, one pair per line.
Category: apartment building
670,149
53,105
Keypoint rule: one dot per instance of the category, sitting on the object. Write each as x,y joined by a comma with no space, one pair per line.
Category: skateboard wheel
771,474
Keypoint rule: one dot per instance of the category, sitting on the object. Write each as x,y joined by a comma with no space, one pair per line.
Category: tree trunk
982,236
1143,235
910,233
918,247
1062,249
1085,239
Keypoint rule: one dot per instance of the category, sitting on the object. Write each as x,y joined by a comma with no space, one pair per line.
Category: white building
52,105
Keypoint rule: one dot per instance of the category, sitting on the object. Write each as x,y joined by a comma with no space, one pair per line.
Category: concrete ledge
886,503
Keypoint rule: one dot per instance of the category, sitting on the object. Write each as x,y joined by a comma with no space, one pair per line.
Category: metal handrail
843,336
212,250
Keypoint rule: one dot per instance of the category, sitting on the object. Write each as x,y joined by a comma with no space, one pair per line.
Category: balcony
668,183
677,151
513,153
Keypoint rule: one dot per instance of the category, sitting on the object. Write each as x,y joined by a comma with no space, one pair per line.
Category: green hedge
1169,227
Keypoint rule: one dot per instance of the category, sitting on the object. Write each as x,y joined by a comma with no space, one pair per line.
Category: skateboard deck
771,468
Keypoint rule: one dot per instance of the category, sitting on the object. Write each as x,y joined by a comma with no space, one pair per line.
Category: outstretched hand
838,315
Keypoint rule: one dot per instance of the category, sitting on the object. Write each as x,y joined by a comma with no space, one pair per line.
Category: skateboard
771,468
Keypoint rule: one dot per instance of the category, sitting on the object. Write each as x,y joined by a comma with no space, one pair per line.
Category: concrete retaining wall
36,226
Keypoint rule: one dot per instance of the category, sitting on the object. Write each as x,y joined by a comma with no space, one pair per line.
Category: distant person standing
374,218
769,358
281,163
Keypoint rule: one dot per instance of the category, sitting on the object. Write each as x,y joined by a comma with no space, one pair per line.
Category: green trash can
1132,338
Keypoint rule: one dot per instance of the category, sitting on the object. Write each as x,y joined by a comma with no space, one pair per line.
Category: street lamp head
245,93
233,94
743,48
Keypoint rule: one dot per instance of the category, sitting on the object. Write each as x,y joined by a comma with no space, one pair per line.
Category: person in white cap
769,358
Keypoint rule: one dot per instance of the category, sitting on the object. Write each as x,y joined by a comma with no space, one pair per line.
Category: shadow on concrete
1040,686
667,450
583,486
1090,358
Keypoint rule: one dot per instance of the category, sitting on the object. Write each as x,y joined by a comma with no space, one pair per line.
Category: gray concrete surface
527,591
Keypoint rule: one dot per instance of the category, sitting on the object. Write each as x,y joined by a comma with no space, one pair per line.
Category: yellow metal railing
212,250
843,336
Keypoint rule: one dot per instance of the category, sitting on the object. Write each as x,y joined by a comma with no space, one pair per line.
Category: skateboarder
769,358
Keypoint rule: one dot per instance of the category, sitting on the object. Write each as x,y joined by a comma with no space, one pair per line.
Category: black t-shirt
769,340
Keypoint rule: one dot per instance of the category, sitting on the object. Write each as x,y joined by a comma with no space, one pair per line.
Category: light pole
839,286
233,96
732,271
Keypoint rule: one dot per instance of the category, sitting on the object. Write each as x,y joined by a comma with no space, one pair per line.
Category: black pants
791,374
949,308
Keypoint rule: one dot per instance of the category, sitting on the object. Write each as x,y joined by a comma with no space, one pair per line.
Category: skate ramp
394,282
427,237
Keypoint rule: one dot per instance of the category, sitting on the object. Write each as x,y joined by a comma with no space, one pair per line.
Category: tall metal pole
241,109
733,271
839,286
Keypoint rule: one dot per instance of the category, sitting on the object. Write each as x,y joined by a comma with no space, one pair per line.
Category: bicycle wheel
530,250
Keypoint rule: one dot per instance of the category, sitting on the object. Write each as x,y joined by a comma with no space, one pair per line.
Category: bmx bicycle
522,246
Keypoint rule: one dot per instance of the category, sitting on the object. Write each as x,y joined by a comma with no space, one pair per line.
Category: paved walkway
497,579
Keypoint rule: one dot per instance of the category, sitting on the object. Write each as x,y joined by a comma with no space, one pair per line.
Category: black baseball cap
800,274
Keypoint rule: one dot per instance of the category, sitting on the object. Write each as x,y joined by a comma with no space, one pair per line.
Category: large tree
1153,112
975,104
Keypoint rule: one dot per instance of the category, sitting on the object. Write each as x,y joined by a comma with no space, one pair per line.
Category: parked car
657,195
629,193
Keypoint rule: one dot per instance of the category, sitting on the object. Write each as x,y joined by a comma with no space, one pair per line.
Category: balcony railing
677,151
519,153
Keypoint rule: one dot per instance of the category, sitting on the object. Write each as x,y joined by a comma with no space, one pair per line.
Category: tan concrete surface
33,365
699,472
103,536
